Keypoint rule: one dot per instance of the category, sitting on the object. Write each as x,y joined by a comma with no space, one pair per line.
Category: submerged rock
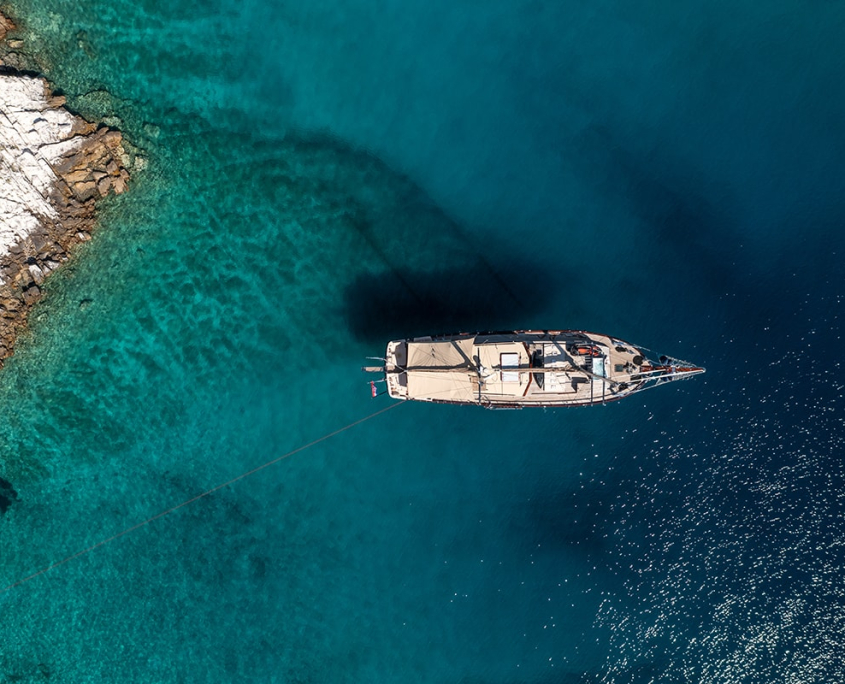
54,167
6,25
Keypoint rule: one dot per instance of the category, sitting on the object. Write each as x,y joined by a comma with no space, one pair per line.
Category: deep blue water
323,176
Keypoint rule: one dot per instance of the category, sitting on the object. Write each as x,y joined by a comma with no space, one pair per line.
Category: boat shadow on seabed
406,303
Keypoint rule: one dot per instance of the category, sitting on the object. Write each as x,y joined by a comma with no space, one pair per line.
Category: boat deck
554,368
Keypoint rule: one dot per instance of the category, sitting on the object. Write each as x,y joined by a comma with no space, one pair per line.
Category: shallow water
323,177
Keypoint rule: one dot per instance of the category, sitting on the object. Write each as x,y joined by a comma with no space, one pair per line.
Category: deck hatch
509,360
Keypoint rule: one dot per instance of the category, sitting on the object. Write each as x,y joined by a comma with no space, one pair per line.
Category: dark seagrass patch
8,495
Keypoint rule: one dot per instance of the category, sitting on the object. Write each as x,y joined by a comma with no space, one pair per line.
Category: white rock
36,273
33,136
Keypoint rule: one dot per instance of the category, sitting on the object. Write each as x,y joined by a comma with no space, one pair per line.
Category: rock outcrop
54,166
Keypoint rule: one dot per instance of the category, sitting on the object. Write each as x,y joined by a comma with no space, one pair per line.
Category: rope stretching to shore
195,498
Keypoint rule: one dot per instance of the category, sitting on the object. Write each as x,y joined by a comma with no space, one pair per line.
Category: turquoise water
323,176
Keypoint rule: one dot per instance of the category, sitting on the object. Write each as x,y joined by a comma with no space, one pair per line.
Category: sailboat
523,368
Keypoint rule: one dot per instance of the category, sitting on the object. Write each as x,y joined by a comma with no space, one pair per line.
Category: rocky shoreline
54,167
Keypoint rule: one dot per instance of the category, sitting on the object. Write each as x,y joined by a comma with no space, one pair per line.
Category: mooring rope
196,498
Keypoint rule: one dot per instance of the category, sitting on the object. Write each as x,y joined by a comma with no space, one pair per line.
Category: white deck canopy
451,369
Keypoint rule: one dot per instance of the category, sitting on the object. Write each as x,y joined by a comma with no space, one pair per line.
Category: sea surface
323,176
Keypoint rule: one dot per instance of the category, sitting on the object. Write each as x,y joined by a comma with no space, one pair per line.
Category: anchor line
208,492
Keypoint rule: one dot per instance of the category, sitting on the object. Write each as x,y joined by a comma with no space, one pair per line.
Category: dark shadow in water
408,303
575,518
436,276
696,226
693,234
7,495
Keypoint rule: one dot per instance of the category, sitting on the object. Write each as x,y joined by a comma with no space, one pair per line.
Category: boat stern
395,361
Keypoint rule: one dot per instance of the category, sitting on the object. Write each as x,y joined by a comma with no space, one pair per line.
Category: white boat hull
523,368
